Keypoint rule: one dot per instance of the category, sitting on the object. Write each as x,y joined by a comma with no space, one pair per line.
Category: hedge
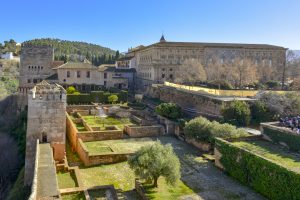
277,136
95,96
268,178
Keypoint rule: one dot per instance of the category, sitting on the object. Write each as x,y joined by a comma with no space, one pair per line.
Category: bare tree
190,71
266,73
244,72
215,70
293,65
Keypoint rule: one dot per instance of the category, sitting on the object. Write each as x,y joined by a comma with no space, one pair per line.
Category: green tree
169,110
237,113
113,98
152,161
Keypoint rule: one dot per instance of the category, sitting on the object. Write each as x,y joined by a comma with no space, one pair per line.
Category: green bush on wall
268,178
95,96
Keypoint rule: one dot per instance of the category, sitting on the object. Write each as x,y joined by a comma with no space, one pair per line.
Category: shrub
72,90
220,84
169,110
260,112
113,98
152,161
272,84
202,129
237,113
198,129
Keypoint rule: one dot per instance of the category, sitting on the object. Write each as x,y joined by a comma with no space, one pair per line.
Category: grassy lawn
272,152
74,196
96,121
66,180
119,175
97,194
167,192
95,148
125,145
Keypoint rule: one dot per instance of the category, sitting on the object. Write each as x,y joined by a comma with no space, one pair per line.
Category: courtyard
93,121
200,179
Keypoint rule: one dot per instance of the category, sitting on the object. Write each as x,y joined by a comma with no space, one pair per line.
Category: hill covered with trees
77,51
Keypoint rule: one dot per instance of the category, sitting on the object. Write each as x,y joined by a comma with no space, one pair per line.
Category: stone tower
46,122
35,66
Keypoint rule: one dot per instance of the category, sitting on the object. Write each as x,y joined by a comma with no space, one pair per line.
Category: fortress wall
202,103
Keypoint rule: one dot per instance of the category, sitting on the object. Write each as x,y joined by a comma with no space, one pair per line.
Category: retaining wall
144,131
281,135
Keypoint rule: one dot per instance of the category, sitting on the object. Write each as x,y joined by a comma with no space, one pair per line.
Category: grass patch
94,148
165,191
124,146
97,194
108,121
272,152
80,127
119,175
66,180
72,157
73,196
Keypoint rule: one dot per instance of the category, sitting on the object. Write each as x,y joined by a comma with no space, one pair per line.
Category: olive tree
152,161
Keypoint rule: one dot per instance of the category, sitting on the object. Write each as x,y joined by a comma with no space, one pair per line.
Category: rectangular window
78,74
105,75
68,74
104,83
88,74
34,80
28,81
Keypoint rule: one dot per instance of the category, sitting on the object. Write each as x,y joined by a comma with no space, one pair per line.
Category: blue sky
122,24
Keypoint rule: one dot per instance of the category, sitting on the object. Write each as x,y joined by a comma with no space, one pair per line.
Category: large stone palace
160,61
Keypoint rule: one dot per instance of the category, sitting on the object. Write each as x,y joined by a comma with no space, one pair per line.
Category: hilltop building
160,61
37,64
7,56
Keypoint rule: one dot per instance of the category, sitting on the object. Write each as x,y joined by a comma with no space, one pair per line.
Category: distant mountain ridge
77,51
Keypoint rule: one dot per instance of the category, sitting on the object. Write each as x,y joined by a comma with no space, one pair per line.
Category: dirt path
204,178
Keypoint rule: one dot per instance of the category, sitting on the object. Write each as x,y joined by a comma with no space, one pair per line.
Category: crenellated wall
46,122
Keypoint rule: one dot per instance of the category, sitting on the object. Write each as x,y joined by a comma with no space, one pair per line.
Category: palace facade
160,61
